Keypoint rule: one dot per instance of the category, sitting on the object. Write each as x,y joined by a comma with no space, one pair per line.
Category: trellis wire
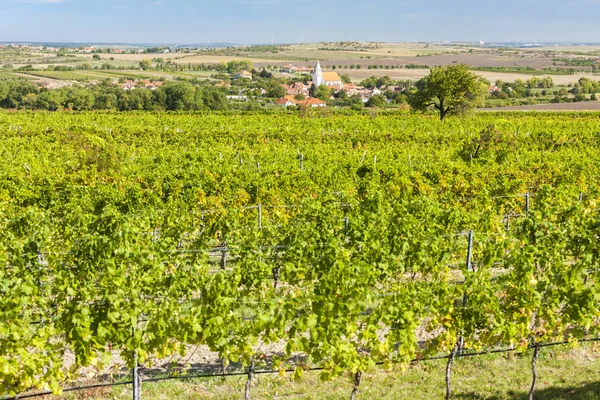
288,370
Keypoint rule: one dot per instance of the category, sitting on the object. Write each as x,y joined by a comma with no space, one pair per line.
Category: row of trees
105,96
449,90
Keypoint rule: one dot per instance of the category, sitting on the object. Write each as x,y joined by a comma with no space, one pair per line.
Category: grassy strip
564,373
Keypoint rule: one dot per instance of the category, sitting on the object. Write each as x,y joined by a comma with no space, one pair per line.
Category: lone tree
452,90
145,65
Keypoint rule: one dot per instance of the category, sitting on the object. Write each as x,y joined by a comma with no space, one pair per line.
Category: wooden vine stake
357,379
135,373
536,353
249,381
449,369
224,255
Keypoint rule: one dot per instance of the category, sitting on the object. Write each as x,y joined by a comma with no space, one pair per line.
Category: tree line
177,96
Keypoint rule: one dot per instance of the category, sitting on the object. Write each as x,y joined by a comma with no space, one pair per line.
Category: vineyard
345,241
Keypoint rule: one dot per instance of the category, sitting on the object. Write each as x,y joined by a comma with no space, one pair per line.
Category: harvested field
134,57
579,106
415,74
215,59
484,59
52,83
570,49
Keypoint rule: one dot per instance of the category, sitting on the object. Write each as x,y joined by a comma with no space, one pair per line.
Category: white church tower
318,79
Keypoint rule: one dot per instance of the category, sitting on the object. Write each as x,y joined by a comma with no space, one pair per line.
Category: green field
322,238
65,75
88,75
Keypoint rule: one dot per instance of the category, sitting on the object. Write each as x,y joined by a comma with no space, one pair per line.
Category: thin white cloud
39,1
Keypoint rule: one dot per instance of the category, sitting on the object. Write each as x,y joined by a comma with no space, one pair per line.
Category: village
286,86
298,93
305,81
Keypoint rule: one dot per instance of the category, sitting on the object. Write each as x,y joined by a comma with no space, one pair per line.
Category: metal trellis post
469,270
259,208
41,288
224,255
136,378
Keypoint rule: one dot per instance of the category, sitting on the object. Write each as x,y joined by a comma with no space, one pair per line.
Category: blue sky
253,21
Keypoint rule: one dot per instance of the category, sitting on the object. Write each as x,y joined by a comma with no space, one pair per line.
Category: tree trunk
357,378
449,370
249,381
534,359
442,110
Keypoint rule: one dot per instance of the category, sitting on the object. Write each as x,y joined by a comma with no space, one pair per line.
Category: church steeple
318,75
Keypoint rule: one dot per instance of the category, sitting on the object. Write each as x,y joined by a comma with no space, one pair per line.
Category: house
303,70
150,85
352,89
243,74
312,102
285,102
222,84
128,85
287,68
87,49
297,88
329,79
289,101
493,89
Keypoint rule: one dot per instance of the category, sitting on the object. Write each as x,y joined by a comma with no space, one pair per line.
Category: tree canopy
451,90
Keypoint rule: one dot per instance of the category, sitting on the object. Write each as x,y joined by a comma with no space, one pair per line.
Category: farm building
289,68
243,74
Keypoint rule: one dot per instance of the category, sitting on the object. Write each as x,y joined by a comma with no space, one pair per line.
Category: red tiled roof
311,101
283,101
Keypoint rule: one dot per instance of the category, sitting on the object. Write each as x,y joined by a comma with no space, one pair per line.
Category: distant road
579,106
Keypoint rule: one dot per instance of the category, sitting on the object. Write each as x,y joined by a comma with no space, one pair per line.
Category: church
329,79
